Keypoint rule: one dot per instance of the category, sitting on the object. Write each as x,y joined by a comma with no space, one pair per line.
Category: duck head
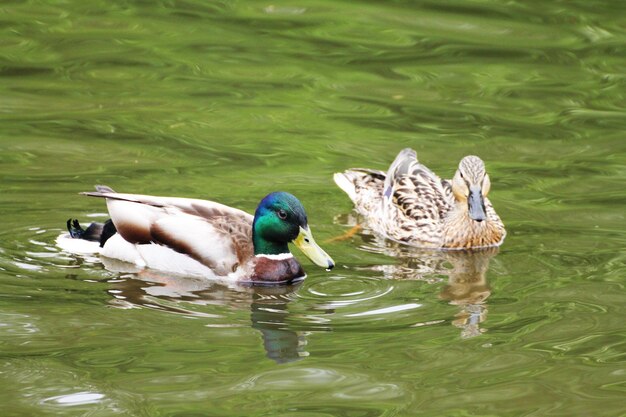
279,219
471,185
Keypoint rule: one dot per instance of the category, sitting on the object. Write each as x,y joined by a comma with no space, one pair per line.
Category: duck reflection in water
268,305
466,272
467,288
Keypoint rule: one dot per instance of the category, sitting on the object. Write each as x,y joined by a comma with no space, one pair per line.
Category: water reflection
465,271
187,295
268,314
467,288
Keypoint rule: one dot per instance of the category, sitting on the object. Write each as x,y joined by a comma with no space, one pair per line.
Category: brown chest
463,232
268,270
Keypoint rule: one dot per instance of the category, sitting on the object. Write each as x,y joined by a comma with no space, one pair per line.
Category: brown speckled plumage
412,205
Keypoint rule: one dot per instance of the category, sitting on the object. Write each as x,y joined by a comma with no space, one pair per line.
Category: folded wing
213,234
415,199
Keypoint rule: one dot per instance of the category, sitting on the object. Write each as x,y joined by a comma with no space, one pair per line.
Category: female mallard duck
412,205
199,237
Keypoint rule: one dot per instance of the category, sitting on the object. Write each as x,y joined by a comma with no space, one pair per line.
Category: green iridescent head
279,219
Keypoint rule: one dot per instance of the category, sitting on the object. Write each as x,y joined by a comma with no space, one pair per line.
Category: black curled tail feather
108,230
76,231
95,232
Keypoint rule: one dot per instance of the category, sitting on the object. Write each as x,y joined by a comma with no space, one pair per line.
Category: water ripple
78,398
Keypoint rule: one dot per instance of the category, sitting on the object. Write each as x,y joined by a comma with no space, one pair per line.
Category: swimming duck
198,237
412,205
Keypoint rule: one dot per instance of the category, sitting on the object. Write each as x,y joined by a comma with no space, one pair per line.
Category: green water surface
230,100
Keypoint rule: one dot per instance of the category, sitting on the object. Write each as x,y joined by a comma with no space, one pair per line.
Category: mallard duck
412,205
198,237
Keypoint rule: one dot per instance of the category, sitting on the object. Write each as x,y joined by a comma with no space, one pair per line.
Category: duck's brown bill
307,245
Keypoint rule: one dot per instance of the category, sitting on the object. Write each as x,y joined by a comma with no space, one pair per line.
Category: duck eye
282,214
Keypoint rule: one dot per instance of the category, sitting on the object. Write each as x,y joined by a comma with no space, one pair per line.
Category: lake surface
228,101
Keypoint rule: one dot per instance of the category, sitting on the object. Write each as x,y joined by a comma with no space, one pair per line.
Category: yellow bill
307,245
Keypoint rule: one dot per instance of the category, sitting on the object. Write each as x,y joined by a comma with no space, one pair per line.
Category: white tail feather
344,182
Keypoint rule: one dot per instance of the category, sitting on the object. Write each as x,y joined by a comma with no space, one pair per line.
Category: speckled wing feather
364,187
416,201
448,196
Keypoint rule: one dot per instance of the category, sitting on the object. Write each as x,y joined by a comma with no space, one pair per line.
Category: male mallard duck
199,237
412,205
